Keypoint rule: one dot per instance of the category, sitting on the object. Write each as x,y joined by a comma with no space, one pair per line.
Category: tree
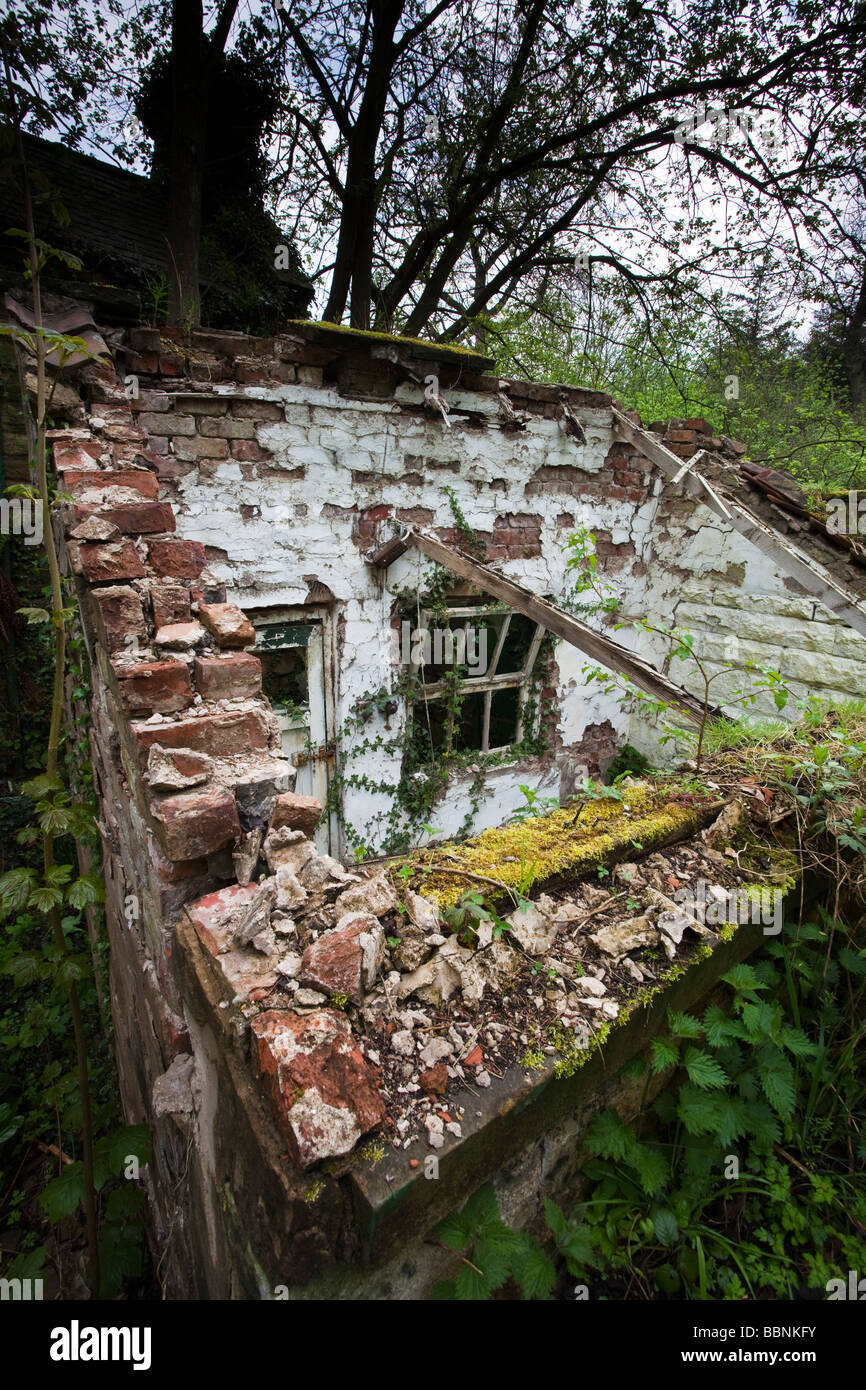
452,153
194,59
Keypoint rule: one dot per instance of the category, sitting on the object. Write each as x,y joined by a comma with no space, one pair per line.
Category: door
292,654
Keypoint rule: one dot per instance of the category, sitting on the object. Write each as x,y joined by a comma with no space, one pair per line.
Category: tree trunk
189,81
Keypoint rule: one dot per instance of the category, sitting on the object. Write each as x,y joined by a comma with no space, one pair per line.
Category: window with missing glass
474,664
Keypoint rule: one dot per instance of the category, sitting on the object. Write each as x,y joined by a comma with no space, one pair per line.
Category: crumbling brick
111,562
298,812
158,423
190,450
227,427
170,601
177,559
156,687
220,735
137,479
193,824
228,624
121,615
133,518
228,677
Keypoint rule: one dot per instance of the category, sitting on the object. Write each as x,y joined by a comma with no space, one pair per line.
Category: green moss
372,1152
543,847
314,1191
369,335
533,1059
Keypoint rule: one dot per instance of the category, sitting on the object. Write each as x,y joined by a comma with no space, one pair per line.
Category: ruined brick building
247,530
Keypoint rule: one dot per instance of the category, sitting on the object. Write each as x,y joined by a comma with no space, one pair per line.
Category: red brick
229,624
121,615
627,478
116,560
256,410
310,1061
170,601
228,677
697,422
177,559
227,427
174,873
415,516
196,823
214,915
191,450
138,479
247,451
81,454
134,519
298,812
156,687
379,513
680,437
220,735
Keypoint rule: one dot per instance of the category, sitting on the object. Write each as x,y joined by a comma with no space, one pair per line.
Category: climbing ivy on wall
428,766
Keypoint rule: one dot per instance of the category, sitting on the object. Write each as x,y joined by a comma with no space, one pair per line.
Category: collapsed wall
263,473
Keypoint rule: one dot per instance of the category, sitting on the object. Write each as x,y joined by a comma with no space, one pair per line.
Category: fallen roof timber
556,620
787,557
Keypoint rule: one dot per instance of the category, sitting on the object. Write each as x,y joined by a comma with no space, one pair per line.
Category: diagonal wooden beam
556,620
787,557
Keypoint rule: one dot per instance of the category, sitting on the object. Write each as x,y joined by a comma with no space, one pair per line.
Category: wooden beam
556,620
788,557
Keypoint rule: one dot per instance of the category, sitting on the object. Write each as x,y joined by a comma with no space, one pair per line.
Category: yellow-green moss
314,1191
543,847
373,1153
370,335
532,1059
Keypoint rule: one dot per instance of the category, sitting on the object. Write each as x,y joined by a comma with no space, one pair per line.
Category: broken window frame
491,682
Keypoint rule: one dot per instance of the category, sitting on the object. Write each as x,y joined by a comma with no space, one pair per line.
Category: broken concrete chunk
422,913
374,895
258,914
246,856
290,893
587,984
95,528
346,959
618,940
324,1091
321,870
403,1042
289,966
534,928
435,1051
288,847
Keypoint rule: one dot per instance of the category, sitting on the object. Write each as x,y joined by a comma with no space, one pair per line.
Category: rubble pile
368,1013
